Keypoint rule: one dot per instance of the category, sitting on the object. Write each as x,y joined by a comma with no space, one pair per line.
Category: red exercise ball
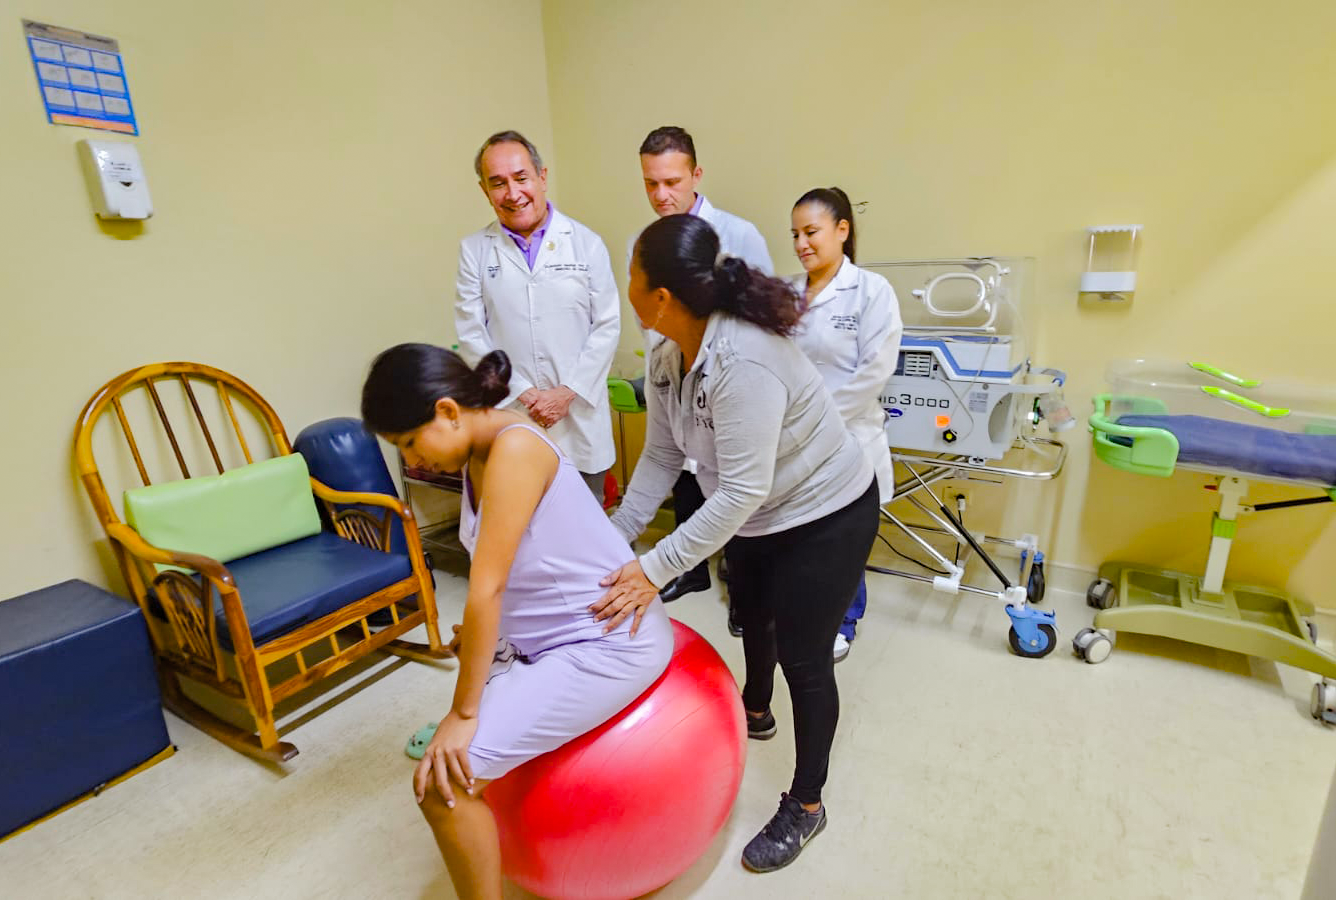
628,807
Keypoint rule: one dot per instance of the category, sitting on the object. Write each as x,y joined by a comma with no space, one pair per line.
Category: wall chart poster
81,77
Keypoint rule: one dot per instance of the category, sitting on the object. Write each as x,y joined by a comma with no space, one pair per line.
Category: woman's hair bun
493,377
731,277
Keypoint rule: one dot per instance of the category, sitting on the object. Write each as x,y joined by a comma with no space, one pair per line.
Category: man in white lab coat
539,286
671,173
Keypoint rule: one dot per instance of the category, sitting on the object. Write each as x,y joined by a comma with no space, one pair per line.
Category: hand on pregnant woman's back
629,592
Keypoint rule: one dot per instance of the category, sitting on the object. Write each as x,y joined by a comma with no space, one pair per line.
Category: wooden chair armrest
324,492
128,538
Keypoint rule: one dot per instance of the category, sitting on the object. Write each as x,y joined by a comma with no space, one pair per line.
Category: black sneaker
762,729
780,841
734,626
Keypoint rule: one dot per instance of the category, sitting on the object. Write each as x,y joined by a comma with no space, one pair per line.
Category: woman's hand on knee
447,759
629,595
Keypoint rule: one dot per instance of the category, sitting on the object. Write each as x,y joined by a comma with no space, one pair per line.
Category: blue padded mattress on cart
1255,449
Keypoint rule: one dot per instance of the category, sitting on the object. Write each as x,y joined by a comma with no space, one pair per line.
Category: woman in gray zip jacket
786,485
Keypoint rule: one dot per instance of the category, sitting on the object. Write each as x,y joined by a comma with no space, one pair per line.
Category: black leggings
790,591
687,498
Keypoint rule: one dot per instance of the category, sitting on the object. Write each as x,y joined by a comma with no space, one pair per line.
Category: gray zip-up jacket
772,449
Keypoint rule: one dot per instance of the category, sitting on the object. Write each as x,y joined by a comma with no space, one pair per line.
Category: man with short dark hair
672,174
538,285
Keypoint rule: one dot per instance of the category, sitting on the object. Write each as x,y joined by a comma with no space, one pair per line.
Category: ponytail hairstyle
836,202
405,382
681,254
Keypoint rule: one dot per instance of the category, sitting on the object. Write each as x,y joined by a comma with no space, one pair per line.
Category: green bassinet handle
1271,412
1214,372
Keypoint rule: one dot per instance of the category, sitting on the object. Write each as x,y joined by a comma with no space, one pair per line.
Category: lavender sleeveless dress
555,674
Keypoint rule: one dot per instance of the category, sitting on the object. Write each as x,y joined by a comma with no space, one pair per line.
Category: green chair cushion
228,516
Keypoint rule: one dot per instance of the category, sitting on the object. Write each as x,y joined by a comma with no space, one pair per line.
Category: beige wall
980,129
310,164
311,167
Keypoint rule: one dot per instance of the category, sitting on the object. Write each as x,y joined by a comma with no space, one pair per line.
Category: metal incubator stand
963,396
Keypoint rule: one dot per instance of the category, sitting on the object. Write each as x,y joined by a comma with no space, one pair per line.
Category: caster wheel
1034,589
1101,594
1312,630
1323,701
1092,646
1042,646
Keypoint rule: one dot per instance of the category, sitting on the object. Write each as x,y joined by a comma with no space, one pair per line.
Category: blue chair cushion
342,454
286,587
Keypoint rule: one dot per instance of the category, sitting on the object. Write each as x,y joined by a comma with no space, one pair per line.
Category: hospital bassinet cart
1161,417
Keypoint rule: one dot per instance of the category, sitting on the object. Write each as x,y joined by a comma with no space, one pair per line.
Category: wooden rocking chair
311,595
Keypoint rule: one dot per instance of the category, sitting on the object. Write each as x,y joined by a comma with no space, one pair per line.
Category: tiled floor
960,771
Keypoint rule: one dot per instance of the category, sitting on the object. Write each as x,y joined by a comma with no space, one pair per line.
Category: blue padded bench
79,701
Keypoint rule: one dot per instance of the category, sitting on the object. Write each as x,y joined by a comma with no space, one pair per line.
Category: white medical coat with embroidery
851,331
559,324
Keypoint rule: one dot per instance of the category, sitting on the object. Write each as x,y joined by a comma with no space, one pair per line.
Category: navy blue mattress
1254,449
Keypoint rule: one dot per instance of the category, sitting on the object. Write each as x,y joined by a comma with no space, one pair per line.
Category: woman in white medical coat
851,331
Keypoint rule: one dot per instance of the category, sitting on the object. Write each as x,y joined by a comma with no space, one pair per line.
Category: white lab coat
851,331
559,324
737,237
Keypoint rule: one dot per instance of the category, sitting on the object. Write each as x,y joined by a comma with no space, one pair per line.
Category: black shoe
734,626
762,729
683,585
780,842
